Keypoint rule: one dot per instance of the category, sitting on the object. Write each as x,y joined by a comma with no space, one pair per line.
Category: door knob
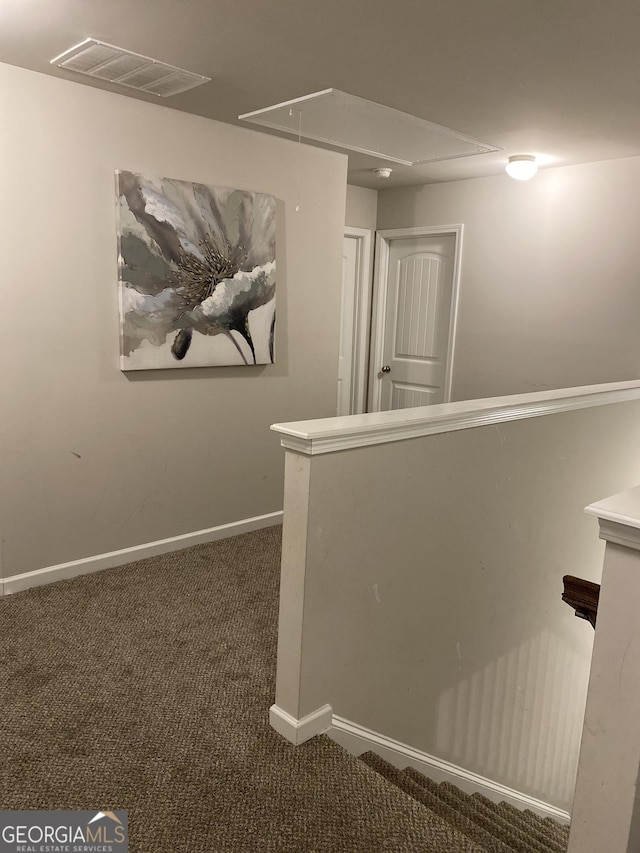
385,369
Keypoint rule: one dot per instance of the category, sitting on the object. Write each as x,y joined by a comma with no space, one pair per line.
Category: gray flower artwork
197,274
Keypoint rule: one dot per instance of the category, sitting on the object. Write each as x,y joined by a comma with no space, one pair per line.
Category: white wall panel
433,582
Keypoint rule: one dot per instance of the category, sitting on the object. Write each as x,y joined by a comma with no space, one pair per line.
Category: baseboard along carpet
147,688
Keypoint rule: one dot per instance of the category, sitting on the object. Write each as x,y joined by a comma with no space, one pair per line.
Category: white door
416,309
345,356
353,361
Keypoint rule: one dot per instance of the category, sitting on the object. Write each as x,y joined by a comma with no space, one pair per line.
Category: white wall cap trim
298,731
357,739
619,517
620,534
329,435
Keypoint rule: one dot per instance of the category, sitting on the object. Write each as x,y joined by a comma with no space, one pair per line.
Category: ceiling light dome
522,167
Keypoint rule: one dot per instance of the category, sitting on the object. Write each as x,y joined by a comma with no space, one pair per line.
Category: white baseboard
297,731
63,571
356,740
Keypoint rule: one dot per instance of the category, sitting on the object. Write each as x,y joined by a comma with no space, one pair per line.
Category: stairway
494,828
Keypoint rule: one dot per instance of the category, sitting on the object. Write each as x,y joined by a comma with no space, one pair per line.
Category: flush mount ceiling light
382,173
522,167
117,65
346,121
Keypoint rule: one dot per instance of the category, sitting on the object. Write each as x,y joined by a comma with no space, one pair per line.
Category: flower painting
197,274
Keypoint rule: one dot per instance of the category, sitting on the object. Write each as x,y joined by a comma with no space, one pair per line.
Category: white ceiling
555,78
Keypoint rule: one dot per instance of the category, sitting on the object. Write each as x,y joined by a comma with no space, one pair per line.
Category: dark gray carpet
147,688
496,827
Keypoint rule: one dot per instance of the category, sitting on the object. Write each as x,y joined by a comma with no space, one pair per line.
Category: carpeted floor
147,688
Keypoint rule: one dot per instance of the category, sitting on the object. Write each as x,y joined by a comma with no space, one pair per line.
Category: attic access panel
346,121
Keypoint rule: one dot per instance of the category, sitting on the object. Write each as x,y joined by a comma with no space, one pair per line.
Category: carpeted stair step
553,823
512,833
457,799
513,836
457,819
554,834
438,834
547,830
496,827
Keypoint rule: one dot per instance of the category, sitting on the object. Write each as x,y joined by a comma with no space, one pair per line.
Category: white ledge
619,518
328,435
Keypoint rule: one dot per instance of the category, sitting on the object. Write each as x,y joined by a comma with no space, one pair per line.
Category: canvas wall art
197,274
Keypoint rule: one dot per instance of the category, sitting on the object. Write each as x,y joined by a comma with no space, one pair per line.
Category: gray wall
362,208
92,460
550,269
432,576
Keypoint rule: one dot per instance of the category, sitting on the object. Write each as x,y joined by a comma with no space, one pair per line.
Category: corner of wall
361,209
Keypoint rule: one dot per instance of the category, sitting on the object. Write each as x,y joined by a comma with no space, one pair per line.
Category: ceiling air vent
116,65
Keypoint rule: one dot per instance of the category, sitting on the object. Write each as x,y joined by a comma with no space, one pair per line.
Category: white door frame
383,240
361,297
